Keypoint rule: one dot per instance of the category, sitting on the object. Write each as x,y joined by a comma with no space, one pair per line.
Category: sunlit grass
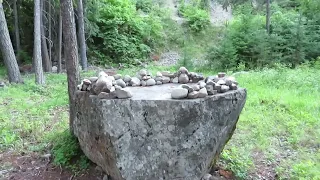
281,118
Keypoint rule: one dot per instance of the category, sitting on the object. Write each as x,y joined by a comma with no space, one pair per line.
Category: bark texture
16,29
7,50
71,56
268,16
81,36
37,58
44,48
60,43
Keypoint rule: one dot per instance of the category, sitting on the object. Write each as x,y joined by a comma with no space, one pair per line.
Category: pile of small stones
210,86
110,87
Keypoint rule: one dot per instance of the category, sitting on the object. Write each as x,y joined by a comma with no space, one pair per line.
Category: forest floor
277,135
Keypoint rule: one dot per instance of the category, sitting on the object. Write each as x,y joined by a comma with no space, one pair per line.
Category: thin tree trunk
81,34
44,48
268,16
49,29
37,57
60,43
71,56
16,29
7,50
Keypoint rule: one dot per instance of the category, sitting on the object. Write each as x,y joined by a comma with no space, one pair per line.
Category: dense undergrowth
280,121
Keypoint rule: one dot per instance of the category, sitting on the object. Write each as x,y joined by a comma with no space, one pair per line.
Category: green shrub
120,33
66,149
292,40
196,18
144,5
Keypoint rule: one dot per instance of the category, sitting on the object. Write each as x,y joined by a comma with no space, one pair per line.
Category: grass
279,125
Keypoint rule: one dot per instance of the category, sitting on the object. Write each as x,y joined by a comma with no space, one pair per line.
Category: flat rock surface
157,92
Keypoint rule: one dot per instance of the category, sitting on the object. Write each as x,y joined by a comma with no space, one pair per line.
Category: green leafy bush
196,18
121,34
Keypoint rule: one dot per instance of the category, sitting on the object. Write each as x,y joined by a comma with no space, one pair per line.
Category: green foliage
293,39
144,5
121,33
66,149
197,18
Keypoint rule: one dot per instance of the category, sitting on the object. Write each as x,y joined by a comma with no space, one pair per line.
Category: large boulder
151,136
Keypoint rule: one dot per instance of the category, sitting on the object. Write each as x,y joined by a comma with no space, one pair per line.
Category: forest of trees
262,33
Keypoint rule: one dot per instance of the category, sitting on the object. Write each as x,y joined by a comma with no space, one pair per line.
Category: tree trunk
44,48
81,36
60,43
268,16
49,29
7,50
71,56
16,29
37,57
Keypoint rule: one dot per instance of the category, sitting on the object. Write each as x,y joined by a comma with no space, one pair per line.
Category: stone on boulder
151,82
123,93
154,137
183,79
179,93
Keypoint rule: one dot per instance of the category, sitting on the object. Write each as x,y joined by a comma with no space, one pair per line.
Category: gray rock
192,74
143,83
111,78
210,90
145,136
123,93
179,93
93,79
117,87
195,87
126,78
151,82
165,79
183,70
193,95
209,82
142,72
117,76
225,88
189,88
157,78
105,177
104,95
217,87
167,74
135,81
221,82
221,74
159,83
102,73
233,87
54,69
159,74
103,84
183,79
121,83
212,78
202,93
202,84
146,78
175,80
207,177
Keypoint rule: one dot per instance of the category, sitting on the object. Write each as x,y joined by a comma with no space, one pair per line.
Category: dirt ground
35,167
